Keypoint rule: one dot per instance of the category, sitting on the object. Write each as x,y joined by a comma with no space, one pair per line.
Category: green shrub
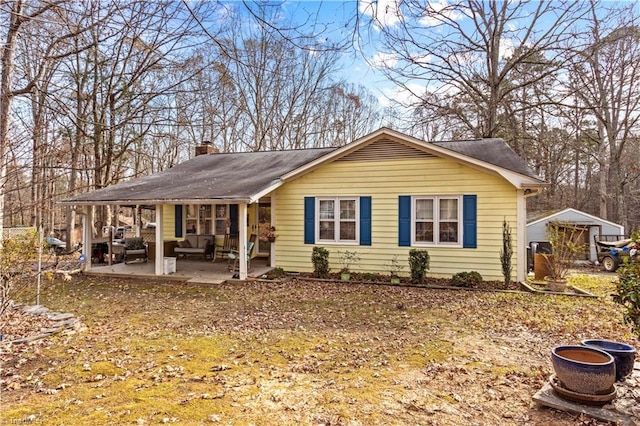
506,253
628,294
466,279
419,265
320,260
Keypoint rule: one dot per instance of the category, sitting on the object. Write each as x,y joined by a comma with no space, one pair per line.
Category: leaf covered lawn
299,352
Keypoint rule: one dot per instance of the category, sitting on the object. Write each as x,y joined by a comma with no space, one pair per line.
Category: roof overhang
124,202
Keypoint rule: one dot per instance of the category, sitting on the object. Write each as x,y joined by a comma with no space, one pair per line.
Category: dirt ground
297,352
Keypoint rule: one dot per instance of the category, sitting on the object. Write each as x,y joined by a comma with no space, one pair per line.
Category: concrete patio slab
199,271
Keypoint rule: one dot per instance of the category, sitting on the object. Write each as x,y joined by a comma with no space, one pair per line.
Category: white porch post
159,243
138,220
521,235
87,220
242,240
272,246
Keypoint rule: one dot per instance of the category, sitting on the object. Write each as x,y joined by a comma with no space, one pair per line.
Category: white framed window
437,220
197,218
222,219
191,218
338,220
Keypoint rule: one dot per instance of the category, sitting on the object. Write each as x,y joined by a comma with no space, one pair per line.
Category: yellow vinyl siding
169,222
384,181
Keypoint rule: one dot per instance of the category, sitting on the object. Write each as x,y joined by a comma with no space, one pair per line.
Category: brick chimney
206,148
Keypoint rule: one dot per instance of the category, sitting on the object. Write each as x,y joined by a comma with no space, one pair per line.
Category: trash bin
541,267
169,265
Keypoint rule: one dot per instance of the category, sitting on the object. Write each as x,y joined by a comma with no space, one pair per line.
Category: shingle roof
228,176
242,176
493,151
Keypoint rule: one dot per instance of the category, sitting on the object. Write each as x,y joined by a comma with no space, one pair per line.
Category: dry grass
301,353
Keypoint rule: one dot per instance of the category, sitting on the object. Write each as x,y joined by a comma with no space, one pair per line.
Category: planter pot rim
609,357
584,369
609,346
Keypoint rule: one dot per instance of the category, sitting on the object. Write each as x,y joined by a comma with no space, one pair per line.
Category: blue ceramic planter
584,369
623,354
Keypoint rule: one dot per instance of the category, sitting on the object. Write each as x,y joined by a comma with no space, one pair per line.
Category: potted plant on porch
347,259
271,234
565,246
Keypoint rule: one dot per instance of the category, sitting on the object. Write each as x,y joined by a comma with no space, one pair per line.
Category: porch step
206,280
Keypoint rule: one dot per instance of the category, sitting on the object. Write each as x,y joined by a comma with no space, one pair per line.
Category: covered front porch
212,195
188,270
171,220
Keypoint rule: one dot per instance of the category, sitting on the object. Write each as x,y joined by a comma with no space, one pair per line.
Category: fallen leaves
297,352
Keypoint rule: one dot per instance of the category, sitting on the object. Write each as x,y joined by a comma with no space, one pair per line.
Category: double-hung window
337,219
222,219
437,220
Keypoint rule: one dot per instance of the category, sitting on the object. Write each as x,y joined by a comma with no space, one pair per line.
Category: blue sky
334,21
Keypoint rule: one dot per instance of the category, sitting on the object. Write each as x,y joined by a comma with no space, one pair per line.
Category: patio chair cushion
197,244
134,244
134,248
184,244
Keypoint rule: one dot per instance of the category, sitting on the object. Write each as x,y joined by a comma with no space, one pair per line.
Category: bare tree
266,89
120,88
23,17
607,84
459,59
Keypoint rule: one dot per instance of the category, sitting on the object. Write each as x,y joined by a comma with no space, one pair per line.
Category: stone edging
525,288
65,323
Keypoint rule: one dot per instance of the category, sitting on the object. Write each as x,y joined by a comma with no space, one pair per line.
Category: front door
264,224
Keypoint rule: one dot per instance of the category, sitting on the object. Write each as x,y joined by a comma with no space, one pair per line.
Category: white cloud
506,48
385,12
403,96
384,60
442,8
421,59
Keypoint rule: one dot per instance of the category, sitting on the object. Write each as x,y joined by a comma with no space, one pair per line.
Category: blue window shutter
178,224
404,220
365,221
309,220
469,221
233,219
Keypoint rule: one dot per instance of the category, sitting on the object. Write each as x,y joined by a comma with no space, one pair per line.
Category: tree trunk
6,97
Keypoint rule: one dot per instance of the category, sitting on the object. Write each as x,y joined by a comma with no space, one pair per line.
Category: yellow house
379,196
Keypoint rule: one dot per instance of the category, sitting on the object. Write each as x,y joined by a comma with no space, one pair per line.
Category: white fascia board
256,197
569,209
156,202
518,180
